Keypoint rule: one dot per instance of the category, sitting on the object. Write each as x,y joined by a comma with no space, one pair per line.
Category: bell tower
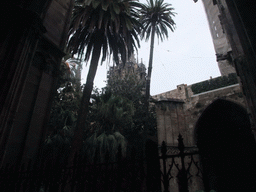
221,45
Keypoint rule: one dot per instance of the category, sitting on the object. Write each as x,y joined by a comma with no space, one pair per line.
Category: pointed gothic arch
227,146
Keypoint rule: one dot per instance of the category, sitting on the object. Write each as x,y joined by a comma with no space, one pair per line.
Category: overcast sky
187,56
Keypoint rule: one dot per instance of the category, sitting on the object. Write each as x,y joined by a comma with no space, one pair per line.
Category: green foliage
57,145
128,86
100,29
132,88
111,112
104,147
113,25
109,116
63,113
215,83
116,119
156,13
156,19
66,101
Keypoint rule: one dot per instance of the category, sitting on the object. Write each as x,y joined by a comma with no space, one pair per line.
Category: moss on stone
215,83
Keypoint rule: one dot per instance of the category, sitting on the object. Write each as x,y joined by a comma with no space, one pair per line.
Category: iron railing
180,158
123,175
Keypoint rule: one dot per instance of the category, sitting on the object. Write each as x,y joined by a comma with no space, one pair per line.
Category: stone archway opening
227,147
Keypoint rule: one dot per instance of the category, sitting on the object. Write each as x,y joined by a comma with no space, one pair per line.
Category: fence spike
163,148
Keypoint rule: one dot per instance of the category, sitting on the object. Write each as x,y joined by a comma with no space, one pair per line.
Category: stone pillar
237,18
16,56
170,121
30,55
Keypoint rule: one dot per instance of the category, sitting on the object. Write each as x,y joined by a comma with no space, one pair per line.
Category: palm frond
92,16
157,13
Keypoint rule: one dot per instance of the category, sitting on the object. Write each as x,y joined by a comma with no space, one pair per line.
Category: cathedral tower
221,45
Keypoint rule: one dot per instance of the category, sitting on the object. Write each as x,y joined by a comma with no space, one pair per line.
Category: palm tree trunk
84,106
148,80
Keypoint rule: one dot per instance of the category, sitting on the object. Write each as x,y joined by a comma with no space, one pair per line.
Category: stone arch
227,147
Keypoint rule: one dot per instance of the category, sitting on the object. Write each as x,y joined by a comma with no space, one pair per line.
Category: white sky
187,56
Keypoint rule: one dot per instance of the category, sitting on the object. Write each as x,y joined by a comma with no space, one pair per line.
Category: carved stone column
30,54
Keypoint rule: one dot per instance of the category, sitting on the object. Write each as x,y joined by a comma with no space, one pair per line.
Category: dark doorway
227,147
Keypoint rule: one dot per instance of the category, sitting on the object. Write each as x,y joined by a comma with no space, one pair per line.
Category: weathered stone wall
170,121
241,35
178,112
57,20
220,41
181,93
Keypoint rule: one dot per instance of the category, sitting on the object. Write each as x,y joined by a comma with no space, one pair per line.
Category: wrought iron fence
123,175
181,164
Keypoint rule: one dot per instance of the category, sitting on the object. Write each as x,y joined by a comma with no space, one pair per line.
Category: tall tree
131,85
100,28
63,113
66,101
156,18
110,115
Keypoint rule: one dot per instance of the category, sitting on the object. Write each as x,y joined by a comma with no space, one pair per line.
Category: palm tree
156,18
100,28
110,116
